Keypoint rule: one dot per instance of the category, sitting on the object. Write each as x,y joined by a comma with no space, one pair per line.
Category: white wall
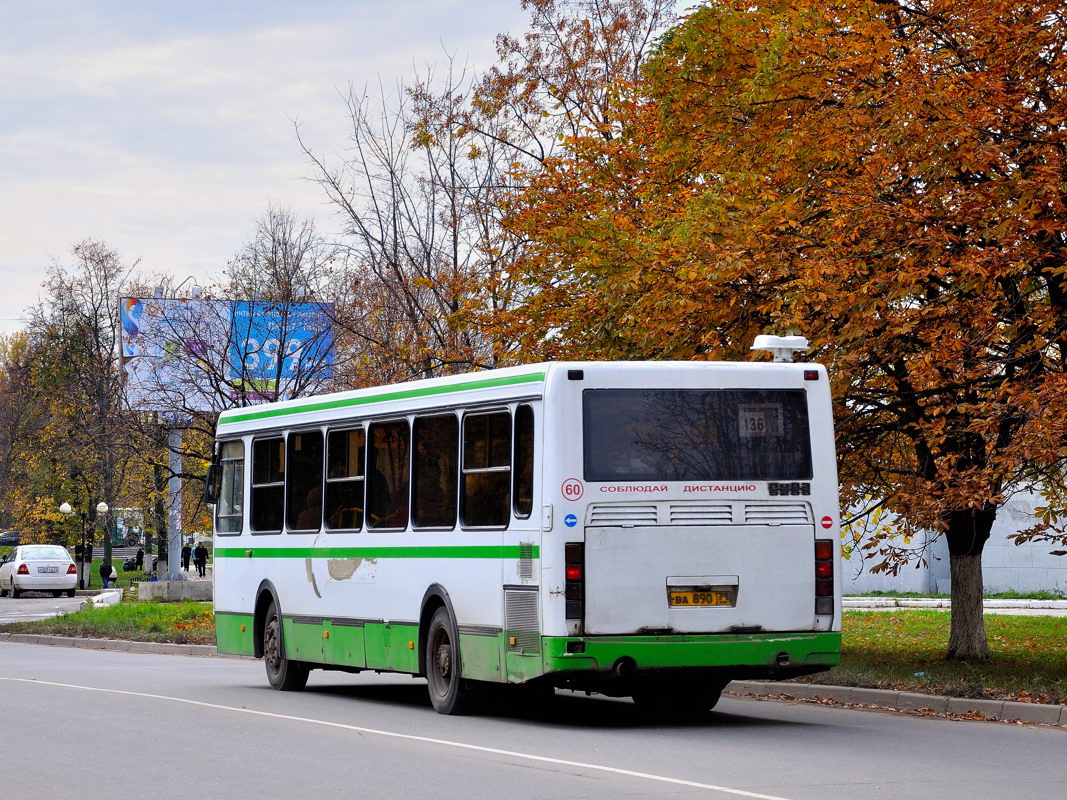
1005,566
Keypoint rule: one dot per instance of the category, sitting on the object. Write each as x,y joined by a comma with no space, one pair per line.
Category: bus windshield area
696,434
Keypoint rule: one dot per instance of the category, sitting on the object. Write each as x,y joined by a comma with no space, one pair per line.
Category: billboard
209,355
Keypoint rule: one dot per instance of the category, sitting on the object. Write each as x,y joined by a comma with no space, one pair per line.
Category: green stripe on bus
266,412
446,551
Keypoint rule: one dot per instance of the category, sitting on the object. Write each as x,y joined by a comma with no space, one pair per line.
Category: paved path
1023,608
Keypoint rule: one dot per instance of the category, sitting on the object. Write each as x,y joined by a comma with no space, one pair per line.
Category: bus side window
303,489
345,451
231,488
435,471
388,455
523,462
486,498
268,484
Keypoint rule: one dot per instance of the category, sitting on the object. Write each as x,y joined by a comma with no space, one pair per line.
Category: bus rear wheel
449,693
282,673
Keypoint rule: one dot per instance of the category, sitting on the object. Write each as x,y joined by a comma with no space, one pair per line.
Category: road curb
162,648
1005,710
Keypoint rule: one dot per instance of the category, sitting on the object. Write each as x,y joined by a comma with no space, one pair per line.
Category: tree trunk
968,530
967,639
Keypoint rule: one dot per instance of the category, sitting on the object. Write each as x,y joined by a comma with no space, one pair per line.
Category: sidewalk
1051,608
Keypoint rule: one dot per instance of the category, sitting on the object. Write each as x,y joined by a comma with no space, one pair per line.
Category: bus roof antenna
781,347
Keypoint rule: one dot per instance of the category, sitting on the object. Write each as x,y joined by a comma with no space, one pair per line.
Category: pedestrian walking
186,551
107,572
200,559
139,563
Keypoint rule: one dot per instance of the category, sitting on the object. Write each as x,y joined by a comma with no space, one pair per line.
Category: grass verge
883,650
186,622
905,651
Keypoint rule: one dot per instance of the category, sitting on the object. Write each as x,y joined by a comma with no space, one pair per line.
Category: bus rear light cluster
574,582
824,576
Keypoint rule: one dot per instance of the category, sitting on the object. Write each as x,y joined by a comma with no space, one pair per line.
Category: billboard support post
174,499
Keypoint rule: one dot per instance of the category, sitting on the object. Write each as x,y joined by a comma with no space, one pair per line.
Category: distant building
1005,566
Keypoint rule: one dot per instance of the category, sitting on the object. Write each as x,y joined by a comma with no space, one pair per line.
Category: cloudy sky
165,129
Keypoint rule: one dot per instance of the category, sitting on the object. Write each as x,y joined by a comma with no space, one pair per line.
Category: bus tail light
574,583
824,576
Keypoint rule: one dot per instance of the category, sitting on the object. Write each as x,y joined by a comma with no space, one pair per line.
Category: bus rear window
696,435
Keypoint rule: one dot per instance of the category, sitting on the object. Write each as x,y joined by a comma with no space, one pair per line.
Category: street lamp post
101,514
68,511
86,558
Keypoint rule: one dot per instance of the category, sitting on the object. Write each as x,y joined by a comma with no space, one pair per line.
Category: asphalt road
105,724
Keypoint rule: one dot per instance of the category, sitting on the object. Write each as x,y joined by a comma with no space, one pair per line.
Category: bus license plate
690,598
48,569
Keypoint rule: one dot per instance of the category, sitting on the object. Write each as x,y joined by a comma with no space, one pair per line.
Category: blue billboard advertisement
273,342
209,355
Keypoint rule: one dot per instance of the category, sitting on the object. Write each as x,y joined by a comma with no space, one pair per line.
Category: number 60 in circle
572,489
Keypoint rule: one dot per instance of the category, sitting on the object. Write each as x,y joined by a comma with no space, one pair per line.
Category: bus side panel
303,641
231,578
378,640
392,647
522,667
382,593
482,657
343,645
234,633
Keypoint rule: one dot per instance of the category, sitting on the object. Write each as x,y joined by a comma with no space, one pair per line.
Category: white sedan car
38,568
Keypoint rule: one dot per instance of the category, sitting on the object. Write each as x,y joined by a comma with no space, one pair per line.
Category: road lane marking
414,738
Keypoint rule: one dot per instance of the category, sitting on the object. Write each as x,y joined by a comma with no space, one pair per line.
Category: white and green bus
643,529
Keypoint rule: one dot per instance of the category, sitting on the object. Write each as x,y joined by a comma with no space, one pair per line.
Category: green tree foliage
77,444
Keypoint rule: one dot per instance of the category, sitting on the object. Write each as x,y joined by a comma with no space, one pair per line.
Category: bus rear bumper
765,655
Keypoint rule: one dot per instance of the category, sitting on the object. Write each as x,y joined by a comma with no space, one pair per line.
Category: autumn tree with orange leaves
885,177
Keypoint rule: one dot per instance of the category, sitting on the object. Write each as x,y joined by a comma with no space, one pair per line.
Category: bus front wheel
282,673
449,693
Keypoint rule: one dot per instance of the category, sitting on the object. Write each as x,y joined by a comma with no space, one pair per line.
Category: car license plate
50,570
701,597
